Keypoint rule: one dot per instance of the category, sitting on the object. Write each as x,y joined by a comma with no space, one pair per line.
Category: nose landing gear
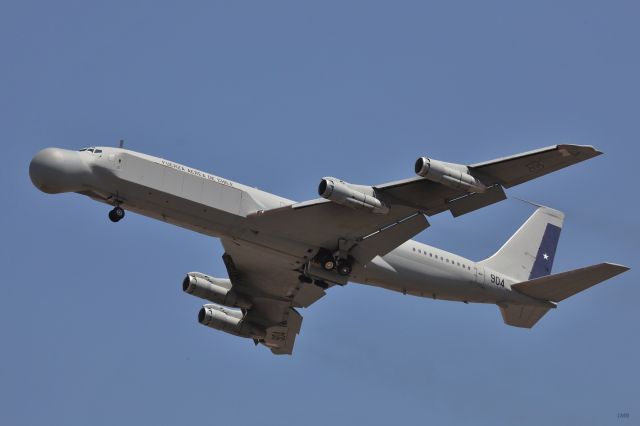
116,214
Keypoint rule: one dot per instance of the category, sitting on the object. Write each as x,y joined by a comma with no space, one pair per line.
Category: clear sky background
95,328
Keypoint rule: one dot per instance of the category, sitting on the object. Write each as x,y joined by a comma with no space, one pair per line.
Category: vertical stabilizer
529,253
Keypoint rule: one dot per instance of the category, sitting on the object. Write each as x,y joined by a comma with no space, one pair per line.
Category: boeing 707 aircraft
282,255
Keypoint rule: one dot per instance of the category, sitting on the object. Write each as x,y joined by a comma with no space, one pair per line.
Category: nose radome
55,170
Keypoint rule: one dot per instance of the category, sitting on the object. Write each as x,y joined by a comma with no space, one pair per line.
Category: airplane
283,255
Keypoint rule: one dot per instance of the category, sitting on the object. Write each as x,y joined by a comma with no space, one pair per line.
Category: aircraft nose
55,170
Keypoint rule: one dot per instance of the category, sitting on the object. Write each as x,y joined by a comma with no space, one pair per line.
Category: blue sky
95,327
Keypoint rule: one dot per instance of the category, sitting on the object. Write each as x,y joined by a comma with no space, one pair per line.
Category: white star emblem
546,256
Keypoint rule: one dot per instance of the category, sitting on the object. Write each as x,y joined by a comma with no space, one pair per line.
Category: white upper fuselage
218,207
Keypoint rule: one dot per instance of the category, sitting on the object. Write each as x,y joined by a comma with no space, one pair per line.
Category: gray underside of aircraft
282,255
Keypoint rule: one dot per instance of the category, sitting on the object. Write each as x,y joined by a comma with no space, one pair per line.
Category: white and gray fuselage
220,208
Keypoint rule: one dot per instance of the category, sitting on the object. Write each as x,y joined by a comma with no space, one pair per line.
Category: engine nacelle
228,320
216,290
448,175
353,196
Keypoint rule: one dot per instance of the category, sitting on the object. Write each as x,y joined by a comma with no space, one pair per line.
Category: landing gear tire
328,264
344,268
116,214
325,259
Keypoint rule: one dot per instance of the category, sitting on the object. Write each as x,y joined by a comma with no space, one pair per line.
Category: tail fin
529,253
527,257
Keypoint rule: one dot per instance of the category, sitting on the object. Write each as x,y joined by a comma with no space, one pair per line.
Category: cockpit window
97,151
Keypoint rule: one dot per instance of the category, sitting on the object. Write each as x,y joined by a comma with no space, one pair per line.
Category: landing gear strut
116,214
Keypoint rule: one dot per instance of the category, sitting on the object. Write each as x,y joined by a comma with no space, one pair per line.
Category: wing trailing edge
387,239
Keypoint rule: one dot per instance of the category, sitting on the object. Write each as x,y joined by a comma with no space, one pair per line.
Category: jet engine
452,175
353,196
217,290
228,320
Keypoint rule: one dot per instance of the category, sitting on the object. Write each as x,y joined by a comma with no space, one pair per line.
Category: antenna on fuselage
121,145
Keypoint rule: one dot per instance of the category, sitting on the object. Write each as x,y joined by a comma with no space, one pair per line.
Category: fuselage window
430,254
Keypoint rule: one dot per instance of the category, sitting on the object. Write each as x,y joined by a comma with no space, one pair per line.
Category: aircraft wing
432,197
520,168
323,223
273,286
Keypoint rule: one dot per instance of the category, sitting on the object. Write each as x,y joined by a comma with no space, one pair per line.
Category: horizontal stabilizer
521,315
560,286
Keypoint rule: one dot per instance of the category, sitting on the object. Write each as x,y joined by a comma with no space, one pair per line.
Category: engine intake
228,320
357,197
451,175
216,290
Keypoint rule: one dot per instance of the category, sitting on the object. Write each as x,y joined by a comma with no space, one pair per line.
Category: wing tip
618,268
590,150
